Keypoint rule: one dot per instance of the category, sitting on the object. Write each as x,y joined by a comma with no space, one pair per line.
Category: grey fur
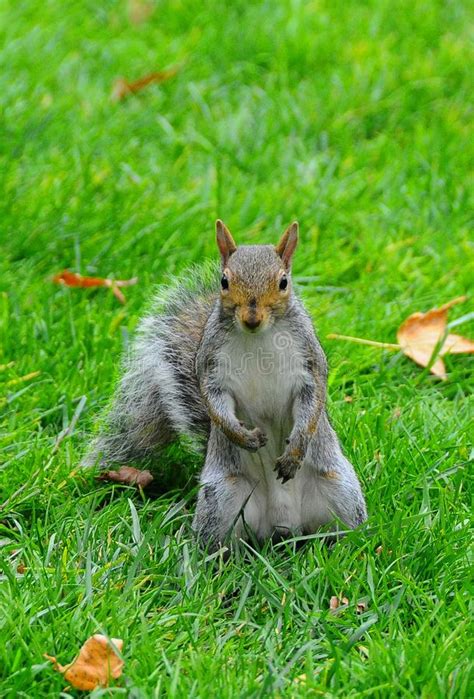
144,415
280,457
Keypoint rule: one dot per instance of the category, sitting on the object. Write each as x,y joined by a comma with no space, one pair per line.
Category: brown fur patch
313,423
330,475
240,294
237,437
296,453
253,303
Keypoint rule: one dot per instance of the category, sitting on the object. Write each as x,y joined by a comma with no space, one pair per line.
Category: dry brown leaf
122,87
96,664
68,278
128,475
361,607
336,602
421,333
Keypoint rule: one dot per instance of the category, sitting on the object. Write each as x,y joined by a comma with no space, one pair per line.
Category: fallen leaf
420,336
122,87
361,607
96,664
336,602
74,279
139,11
421,333
127,475
380,549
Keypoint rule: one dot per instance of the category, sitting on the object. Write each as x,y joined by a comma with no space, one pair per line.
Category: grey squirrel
243,369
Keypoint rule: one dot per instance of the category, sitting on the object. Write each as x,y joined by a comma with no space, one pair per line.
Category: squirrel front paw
287,466
254,439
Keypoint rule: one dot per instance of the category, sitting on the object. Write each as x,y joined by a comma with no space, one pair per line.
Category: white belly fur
263,392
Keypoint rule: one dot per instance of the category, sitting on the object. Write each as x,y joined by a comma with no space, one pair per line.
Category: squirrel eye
283,283
224,282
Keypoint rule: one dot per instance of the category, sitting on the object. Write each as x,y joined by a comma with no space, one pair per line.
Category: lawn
353,117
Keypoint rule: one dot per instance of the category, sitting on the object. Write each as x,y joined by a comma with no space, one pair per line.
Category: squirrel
241,368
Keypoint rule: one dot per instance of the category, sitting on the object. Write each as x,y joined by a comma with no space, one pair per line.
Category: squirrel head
256,279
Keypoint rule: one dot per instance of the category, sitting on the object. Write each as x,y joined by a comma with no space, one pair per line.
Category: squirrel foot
286,467
254,439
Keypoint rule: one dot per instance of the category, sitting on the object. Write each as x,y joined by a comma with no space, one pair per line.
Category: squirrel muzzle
252,317
252,323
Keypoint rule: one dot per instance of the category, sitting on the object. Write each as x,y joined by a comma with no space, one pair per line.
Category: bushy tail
157,398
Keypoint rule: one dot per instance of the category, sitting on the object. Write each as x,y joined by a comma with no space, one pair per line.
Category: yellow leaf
421,333
96,664
421,336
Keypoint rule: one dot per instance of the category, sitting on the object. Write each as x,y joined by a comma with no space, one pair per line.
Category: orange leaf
118,294
122,87
73,279
128,476
422,333
96,664
68,278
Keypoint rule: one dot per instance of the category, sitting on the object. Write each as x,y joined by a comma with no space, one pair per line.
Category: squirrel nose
252,323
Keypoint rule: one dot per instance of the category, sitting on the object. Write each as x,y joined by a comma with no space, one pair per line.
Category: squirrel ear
287,244
225,241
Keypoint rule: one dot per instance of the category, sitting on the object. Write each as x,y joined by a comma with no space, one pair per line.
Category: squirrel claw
286,468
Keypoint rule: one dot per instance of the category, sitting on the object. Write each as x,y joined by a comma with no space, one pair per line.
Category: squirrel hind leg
337,481
344,496
223,513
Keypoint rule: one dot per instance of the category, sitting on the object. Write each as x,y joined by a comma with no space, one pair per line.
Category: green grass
352,116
